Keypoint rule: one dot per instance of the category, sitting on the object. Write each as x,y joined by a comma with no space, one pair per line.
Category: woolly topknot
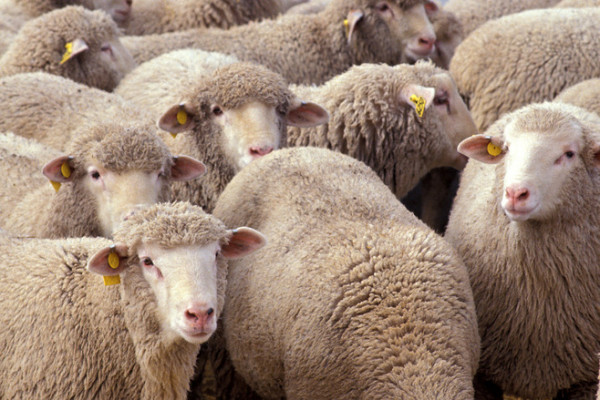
233,85
121,148
170,225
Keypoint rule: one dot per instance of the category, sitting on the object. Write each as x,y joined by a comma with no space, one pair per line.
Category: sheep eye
147,261
95,175
216,110
106,48
570,154
382,7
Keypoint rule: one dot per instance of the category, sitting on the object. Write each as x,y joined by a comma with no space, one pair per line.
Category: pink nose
260,151
199,317
517,195
426,43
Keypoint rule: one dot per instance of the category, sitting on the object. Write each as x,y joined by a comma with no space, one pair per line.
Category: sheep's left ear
354,16
109,261
73,48
176,120
305,114
242,242
58,171
418,97
483,148
185,168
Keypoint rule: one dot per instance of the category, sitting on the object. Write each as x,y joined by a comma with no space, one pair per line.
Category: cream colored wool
474,13
40,45
352,297
535,283
66,335
160,16
577,3
499,71
160,83
370,122
585,94
304,49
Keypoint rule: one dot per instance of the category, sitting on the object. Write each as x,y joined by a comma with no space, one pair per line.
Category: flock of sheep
201,198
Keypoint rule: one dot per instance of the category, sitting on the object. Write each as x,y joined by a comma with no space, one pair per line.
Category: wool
577,3
583,94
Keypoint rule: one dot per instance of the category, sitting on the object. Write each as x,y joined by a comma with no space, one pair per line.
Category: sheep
360,312
106,172
584,94
152,16
309,7
308,49
577,3
527,227
375,121
236,116
73,42
161,82
66,335
474,13
499,72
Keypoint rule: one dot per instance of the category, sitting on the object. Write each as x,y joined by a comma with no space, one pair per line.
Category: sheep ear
597,155
486,149
418,97
354,16
58,171
306,114
185,168
176,120
73,48
242,242
109,261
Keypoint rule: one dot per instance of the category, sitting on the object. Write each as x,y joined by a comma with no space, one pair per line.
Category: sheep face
541,164
119,10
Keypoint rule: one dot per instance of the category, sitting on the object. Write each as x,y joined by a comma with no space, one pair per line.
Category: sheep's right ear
185,168
418,97
242,242
354,16
486,149
73,48
305,114
176,120
58,171
109,261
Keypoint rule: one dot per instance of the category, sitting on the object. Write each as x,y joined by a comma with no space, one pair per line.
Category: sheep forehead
188,257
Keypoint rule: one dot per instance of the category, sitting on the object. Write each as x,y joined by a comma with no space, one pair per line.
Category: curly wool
499,72
40,45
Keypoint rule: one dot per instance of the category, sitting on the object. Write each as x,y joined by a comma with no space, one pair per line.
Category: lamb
151,16
308,49
73,42
67,336
375,121
474,13
238,115
527,227
360,312
500,72
108,170
585,94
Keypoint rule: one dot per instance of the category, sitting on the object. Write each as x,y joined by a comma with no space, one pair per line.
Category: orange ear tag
68,53
493,150
419,104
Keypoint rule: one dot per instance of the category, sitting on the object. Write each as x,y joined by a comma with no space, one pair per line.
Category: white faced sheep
526,221
108,170
375,118
585,94
241,113
73,42
353,297
499,71
66,335
312,48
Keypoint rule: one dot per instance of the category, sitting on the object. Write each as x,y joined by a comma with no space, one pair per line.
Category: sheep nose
199,317
426,43
260,151
517,194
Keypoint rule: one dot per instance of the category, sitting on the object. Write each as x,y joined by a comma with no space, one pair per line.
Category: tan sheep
73,42
119,10
585,94
108,170
312,48
374,120
499,71
66,335
474,13
353,297
526,221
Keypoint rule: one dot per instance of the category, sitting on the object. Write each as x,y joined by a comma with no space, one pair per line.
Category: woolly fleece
585,94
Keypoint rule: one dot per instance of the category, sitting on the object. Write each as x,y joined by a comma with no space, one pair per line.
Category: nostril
209,311
190,315
523,195
260,151
426,42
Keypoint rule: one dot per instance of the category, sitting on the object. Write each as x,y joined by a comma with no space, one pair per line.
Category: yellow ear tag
65,170
68,53
113,260
111,280
181,116
419,104
347,26
55,185
174,135
493,150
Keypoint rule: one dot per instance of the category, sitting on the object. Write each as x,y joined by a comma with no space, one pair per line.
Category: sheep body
585,94
577,3
500,72
348,267
534,275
